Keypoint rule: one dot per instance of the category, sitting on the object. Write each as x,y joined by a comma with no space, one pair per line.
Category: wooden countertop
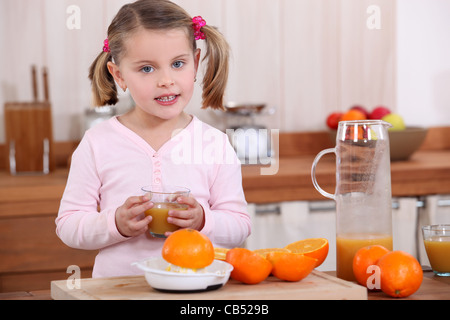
432,288
31,195
425,173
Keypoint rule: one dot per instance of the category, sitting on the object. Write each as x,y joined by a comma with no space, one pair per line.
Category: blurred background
301,59
305,58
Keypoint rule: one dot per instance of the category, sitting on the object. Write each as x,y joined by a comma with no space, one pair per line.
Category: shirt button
157,180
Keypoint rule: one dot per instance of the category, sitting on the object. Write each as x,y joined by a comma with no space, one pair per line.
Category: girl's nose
166,80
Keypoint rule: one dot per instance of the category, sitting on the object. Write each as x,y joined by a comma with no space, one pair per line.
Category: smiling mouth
167,98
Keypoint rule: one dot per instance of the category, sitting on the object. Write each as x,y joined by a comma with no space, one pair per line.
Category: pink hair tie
197,24
106,46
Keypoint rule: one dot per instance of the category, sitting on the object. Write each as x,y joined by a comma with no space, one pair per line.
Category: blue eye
147,69
178,64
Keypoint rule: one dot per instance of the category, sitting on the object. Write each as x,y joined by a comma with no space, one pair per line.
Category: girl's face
159,69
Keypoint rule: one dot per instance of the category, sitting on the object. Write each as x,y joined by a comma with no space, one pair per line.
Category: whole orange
316,248
248,267
363,259
353,114
188,248
291,266
401,274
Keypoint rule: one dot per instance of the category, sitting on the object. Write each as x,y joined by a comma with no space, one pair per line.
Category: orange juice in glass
348,244
436,239
164,199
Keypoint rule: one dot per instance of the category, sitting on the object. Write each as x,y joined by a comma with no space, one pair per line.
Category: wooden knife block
29,138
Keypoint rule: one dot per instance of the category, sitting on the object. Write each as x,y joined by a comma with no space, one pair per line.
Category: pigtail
216,74
104,91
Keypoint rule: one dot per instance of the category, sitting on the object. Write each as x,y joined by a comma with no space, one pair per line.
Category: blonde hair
157,15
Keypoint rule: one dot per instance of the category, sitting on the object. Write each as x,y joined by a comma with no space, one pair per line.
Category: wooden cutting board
29,136
317,285
29,133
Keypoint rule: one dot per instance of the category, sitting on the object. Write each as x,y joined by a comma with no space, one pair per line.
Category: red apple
379,112
333,120
361,109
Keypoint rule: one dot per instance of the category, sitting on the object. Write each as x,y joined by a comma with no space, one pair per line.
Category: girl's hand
130,219
193,217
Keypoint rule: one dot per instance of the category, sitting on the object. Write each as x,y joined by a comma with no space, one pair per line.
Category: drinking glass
164,198
436,239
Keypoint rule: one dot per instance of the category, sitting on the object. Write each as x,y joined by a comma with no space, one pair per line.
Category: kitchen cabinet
31,255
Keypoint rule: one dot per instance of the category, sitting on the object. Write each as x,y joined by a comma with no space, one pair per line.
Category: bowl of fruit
404,140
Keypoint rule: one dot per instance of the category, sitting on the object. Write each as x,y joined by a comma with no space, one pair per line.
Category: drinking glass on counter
436,239
164,199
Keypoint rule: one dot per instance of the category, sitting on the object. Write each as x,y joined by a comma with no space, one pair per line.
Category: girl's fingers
190,201
142,225
136,200
181,222
181,214
138,227
136,205
130,218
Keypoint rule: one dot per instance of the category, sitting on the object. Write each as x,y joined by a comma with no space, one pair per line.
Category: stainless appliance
93,116
251,141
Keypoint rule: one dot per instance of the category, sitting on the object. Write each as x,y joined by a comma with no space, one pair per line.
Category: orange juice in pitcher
348,244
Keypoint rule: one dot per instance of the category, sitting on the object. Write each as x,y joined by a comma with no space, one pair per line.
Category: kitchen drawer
30,252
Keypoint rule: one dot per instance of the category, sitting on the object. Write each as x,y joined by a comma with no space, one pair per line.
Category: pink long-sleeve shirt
112,163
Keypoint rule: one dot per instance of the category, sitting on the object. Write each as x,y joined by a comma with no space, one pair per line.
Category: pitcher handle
313,172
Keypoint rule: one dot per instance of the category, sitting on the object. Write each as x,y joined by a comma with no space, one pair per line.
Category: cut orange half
291,266
220,253
265,251
316,248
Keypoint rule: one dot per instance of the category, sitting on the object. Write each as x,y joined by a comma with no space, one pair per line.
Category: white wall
307,58
423,61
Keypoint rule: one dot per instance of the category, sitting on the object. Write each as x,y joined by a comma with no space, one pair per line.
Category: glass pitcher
363,190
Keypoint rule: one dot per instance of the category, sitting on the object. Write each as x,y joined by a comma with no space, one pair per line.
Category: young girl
151,51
